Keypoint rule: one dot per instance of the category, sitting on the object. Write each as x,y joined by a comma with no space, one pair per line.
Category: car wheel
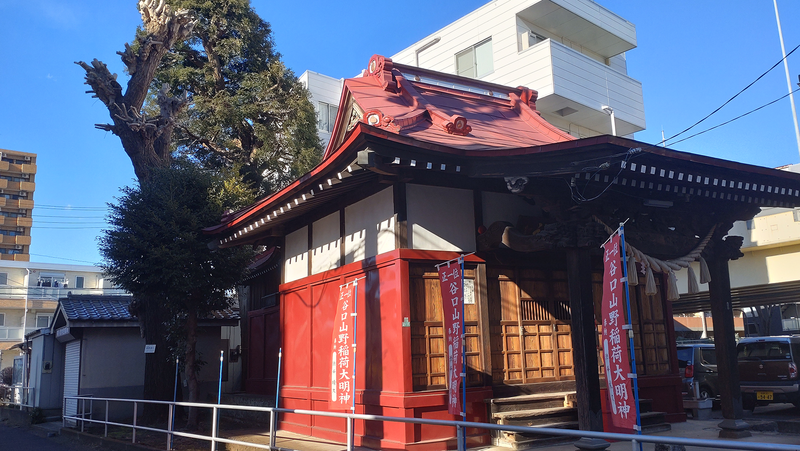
748,402
706,393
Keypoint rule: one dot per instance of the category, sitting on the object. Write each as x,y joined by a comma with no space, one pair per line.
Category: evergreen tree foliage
247,109
155,249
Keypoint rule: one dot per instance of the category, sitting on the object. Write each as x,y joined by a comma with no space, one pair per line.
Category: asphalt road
24,438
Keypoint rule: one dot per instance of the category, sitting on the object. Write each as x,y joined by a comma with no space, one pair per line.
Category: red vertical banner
451,284
615,340
342,360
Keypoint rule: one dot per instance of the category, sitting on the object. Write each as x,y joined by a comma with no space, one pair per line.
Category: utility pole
788,80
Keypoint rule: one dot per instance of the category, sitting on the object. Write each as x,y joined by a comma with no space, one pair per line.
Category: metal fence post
273,429
135,415
106,423
349,433
83,412
214,428
170,426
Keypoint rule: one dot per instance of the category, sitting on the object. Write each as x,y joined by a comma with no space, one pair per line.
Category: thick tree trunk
191,366
158,367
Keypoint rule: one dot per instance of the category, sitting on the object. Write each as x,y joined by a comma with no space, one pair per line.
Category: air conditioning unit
18,247
27,158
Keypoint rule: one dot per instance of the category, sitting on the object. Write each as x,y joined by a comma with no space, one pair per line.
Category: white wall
506,207
295,264
440,218
326,238
564,71
369,227
322,88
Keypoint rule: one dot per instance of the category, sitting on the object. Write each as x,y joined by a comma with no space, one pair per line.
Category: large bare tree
146,140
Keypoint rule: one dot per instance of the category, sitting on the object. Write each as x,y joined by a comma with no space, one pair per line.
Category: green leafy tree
247,109
155,249
232,106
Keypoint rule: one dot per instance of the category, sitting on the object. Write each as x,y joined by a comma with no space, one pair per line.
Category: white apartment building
29,294
572,52
325,92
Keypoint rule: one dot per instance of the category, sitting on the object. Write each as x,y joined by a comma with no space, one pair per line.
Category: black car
768,370
697,363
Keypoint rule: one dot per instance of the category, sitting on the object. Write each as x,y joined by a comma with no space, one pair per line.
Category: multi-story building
29,294
572,52
324,92
17,173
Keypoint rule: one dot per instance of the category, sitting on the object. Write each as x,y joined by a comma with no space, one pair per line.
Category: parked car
697,364
768,370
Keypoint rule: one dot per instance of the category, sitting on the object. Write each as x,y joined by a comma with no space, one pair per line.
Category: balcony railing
14,333
55,293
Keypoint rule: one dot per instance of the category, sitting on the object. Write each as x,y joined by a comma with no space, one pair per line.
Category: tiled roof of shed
98,308
115,308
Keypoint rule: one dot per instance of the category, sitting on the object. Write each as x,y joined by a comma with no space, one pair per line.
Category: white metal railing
214,438
17,395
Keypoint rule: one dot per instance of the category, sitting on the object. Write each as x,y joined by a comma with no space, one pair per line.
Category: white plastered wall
325,241
369,227
440,218
506,207
295,265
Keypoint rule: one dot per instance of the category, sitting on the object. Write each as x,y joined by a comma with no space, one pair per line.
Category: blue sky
691,58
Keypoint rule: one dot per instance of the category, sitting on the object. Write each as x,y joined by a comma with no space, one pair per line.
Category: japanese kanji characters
342,364
615,344
451,284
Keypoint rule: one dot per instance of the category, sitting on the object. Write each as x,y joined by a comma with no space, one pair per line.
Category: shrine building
423,167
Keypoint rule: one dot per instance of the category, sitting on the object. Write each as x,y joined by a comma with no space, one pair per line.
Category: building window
327,116
3,278
796,214
42,321
79,282
476,61
750,224
2,319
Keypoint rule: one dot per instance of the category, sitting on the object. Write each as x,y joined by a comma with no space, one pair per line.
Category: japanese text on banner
451,284
615,343
342,362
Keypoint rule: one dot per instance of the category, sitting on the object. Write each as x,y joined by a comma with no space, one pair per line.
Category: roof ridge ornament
380,67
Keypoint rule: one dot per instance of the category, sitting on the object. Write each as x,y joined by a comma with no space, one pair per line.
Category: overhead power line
737,117
731,99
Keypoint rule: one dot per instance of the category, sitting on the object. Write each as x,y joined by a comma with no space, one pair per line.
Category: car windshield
771,350
684,357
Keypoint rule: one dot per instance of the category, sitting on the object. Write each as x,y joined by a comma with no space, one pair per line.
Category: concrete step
536,417
533,401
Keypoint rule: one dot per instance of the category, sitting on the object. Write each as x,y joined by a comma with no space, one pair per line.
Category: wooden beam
725,343
584,339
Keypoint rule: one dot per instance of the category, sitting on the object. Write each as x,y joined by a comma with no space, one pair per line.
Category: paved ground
764,420
24,438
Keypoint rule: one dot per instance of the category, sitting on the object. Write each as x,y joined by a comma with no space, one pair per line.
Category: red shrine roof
442,109
401,117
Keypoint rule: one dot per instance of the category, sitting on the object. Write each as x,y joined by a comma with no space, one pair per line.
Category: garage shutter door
72,367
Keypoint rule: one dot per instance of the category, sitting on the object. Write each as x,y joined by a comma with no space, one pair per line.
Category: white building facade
29,294
572,52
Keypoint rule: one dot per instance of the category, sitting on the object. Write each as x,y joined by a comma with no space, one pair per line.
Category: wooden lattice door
530,328
429,360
